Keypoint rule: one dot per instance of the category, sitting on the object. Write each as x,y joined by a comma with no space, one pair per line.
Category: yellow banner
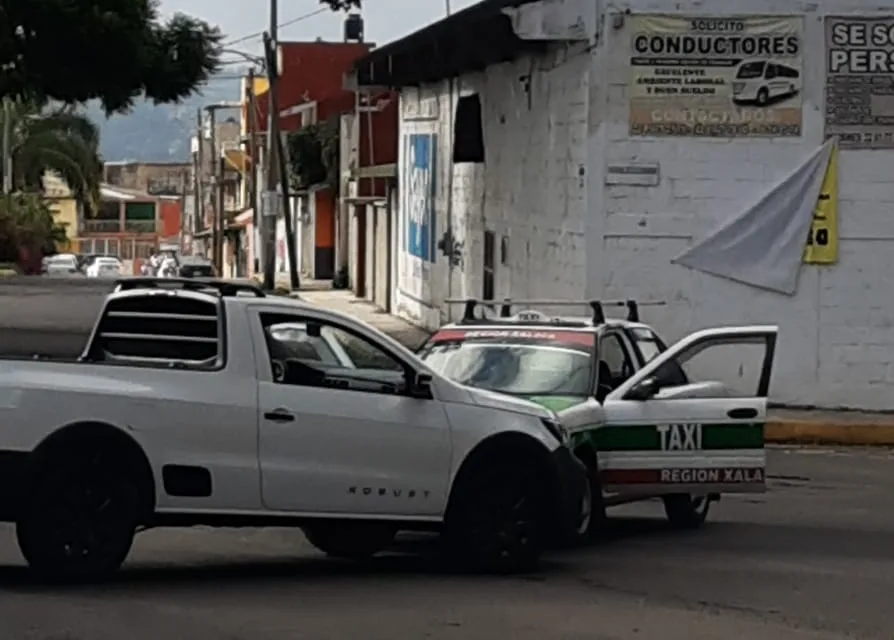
822,243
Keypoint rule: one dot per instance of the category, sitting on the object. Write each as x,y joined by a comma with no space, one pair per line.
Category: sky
385,20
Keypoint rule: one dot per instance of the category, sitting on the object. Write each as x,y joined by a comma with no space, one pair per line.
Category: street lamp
257,60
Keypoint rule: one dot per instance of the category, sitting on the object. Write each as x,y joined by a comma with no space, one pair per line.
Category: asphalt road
811,559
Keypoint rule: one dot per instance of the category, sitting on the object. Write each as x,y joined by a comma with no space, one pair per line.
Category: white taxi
645,422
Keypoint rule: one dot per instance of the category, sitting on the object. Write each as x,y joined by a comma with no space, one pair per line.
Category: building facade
312,91
600,165
154,178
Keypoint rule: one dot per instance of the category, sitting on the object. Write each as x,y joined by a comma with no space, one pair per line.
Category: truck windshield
515,362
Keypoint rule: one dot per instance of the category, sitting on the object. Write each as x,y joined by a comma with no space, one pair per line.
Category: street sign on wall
271,204
860,81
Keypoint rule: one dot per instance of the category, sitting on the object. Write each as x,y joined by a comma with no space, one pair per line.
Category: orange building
131,225
312,90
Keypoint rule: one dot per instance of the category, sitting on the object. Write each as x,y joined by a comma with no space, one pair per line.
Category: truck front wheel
496,521
350,541
80,518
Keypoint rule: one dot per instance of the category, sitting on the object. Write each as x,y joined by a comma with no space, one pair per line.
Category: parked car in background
196,267
9,269
105,268
61,264
85,260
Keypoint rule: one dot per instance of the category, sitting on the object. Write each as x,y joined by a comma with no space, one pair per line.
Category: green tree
114,51
62,141
27,227
313,153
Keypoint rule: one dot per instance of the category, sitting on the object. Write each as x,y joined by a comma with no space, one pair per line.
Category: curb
867,434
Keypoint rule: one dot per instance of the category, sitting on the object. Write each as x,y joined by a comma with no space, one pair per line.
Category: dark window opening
468,133
109,210
488,281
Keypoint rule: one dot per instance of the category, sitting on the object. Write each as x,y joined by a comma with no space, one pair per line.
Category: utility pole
252,145
215,183
253,130
7,146
255,172
221,219
199,213
185,188
279,156
196,180
268,221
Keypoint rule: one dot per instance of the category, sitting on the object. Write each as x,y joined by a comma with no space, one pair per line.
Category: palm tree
60,140
27,229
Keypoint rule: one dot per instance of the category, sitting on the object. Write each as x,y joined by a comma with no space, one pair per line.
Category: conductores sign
860,81
716,77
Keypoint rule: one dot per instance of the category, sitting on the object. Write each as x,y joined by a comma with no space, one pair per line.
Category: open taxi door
666,433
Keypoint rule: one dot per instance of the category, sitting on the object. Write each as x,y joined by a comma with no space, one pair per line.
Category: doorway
488,277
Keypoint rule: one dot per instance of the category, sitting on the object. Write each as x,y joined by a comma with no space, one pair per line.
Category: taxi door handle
742,413
279,415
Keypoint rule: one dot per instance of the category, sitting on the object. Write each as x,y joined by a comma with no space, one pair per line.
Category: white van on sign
760,81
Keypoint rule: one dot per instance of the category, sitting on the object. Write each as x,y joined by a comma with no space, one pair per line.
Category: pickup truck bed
49,316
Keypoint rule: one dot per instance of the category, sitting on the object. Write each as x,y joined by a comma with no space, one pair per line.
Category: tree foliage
58,140
314,155
27,227
115,51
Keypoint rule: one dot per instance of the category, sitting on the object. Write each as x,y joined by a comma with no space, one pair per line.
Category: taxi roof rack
506,304
222,287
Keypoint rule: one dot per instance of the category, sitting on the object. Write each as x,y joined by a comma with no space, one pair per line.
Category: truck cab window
308,352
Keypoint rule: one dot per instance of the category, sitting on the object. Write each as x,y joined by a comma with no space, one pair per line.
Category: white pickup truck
194,403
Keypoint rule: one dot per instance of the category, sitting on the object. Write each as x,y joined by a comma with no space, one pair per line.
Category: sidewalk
341,300
784,426
829,427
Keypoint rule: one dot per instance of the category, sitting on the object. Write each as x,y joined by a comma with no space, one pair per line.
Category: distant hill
159,133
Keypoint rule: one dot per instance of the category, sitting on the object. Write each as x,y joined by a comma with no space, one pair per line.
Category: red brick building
312,90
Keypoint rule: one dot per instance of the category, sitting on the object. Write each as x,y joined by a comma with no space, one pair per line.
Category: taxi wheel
595,522
685,511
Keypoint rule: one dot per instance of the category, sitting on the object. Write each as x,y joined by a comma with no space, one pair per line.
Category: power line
259,34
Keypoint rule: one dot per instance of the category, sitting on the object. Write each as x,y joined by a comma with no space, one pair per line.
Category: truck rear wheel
496,521
350,541
80,518
685,511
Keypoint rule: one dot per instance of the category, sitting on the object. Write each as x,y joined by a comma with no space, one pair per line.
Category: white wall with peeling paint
551,126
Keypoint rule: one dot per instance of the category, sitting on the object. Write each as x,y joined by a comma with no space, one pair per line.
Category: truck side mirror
645,390
420,386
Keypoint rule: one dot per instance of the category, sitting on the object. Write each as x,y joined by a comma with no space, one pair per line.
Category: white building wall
570,236
530,190
836,339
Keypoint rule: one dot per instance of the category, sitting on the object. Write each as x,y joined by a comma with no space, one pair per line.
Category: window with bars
181,329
